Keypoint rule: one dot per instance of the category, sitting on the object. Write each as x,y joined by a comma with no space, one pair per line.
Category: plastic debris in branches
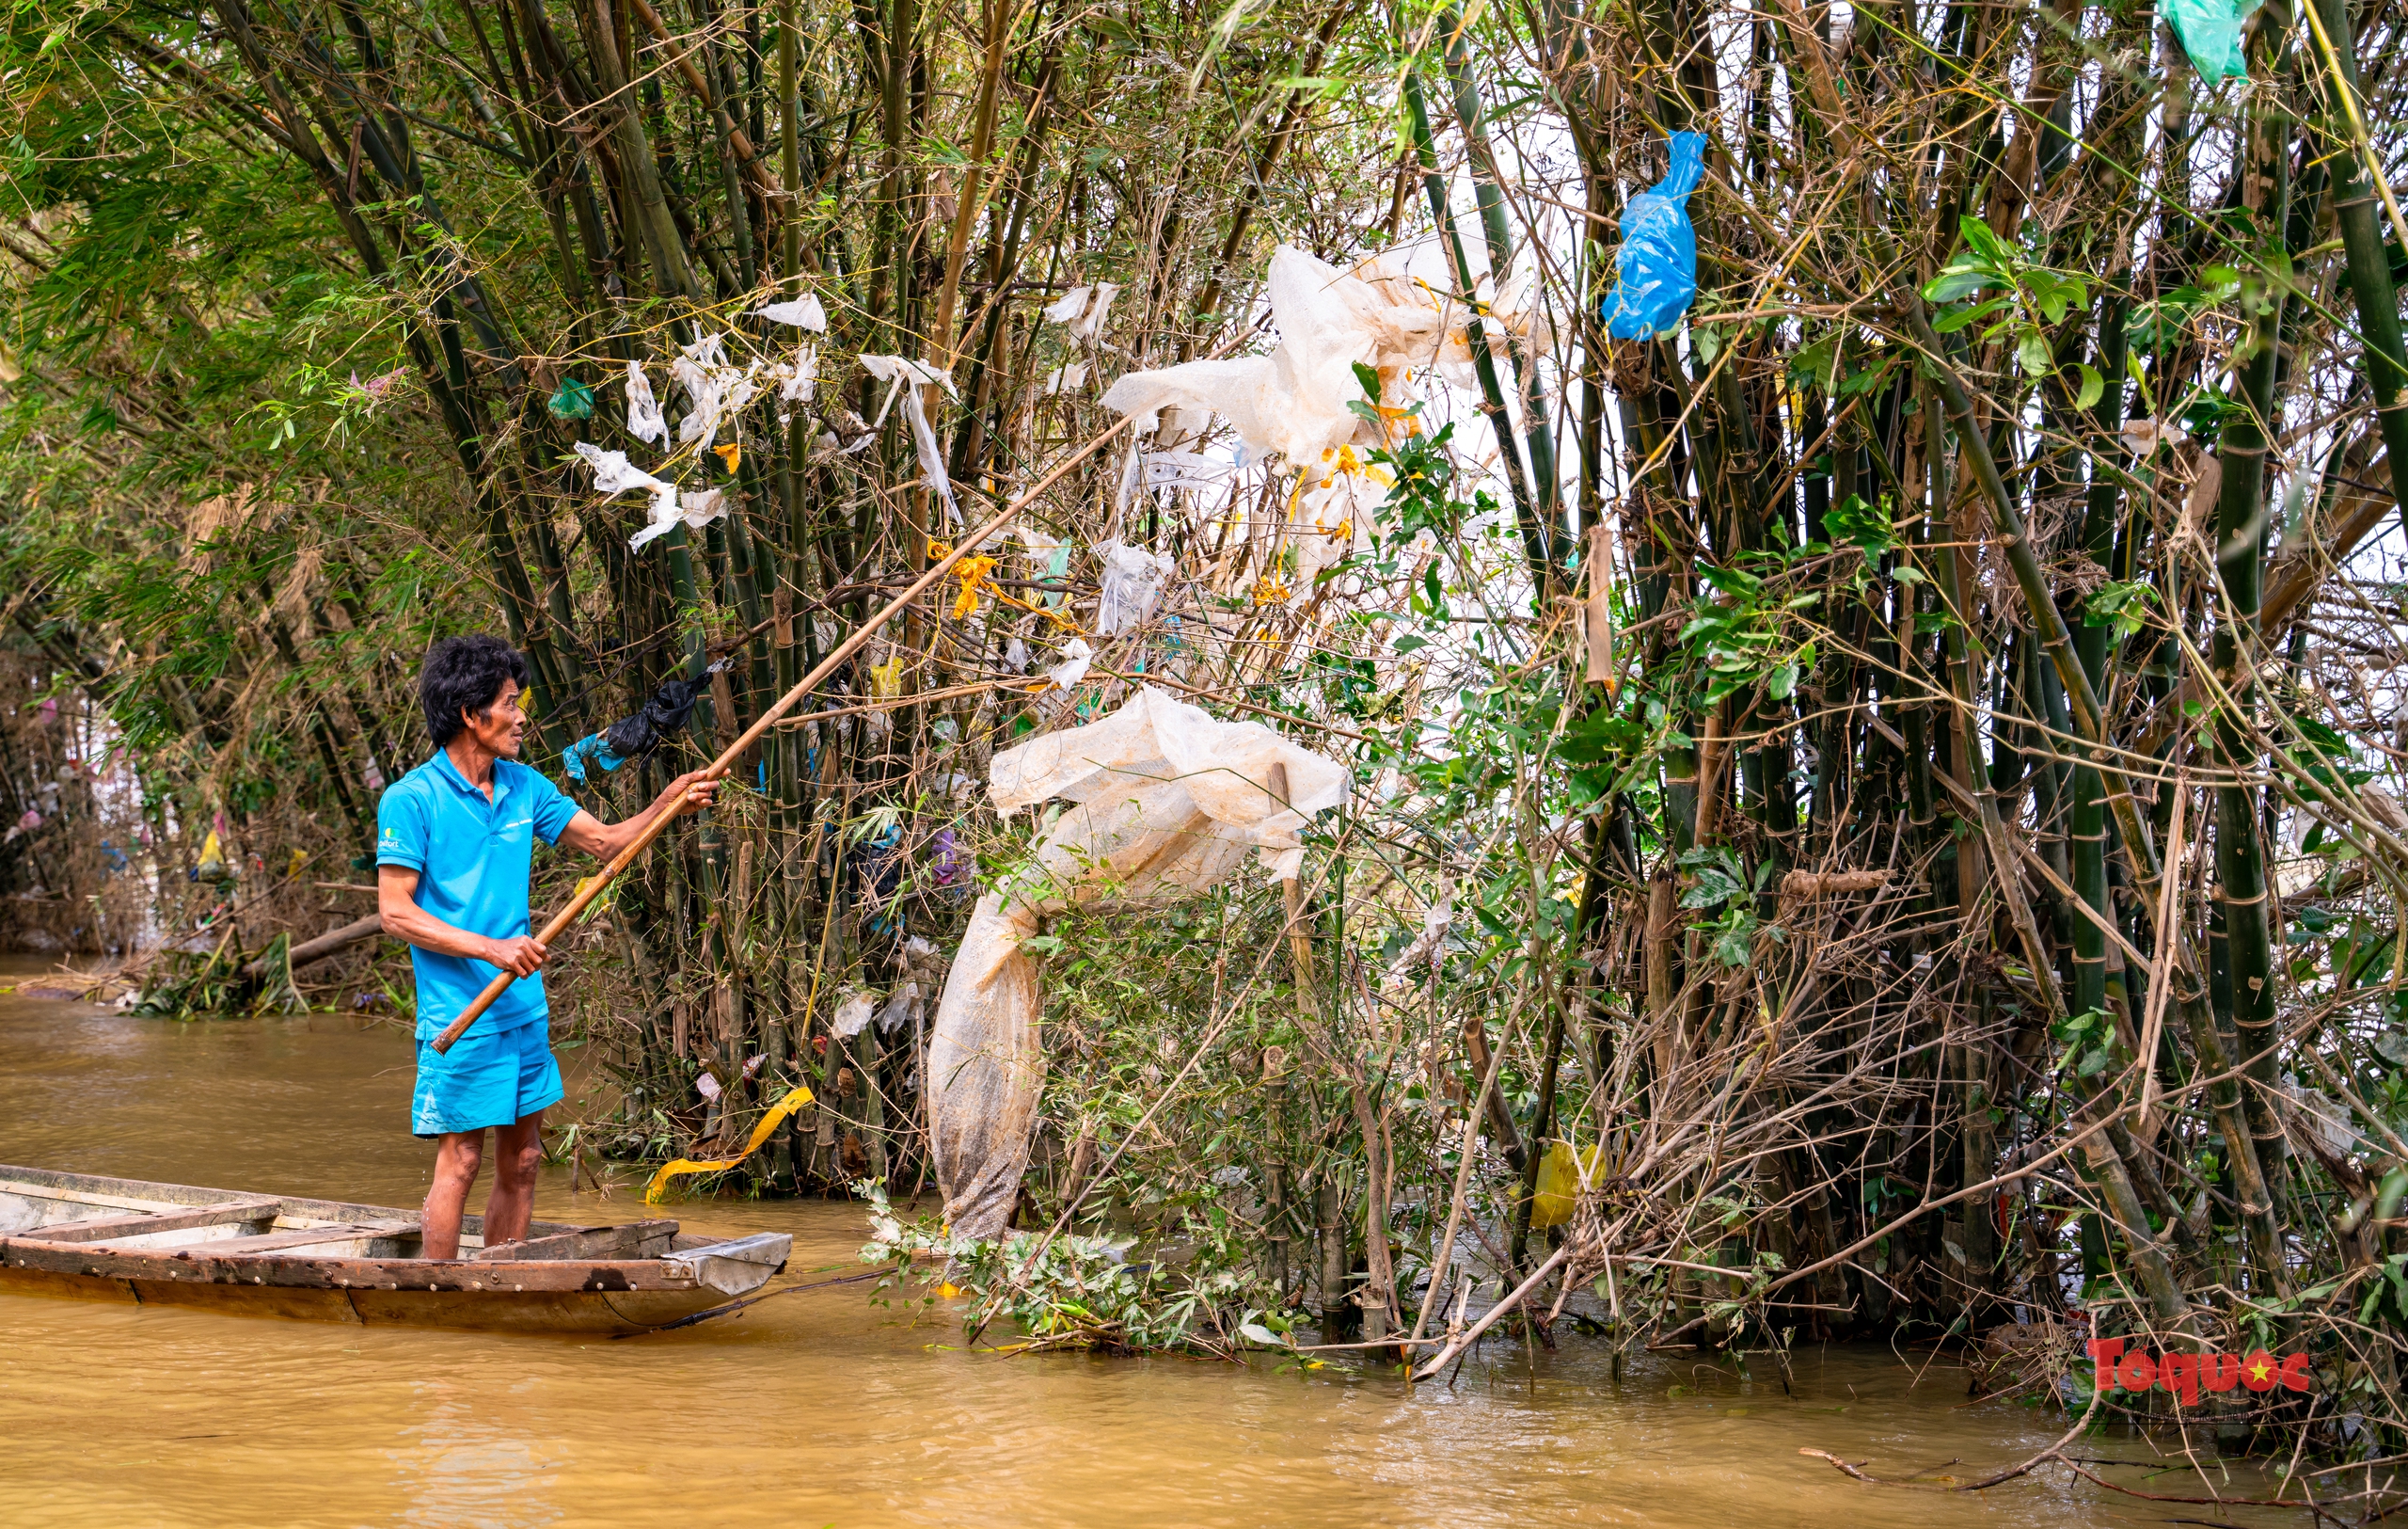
2211,33
714,388
1295,401
905,378
1563,1174
1167,803
1084,310
644,420
763,1129
1133,584
795,380
214,866
613,475
803,312
1076,655
571,400
853,1014
632,737
693,508
1656,266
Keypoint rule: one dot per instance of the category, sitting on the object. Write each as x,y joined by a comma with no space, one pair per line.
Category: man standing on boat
455,839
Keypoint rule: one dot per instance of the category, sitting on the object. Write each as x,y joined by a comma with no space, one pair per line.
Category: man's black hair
464,674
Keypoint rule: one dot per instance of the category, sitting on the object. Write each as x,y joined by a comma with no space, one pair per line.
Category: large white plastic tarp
1295,401
1166,802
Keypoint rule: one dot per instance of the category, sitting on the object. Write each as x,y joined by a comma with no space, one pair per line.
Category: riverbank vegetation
1875,800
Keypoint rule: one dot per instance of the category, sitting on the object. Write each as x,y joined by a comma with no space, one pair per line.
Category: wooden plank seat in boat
295,1238
633,1239
148,1223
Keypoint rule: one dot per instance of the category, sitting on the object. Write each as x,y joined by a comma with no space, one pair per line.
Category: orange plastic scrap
973,572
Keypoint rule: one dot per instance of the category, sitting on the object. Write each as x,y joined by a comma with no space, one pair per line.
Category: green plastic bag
573,401
2211,34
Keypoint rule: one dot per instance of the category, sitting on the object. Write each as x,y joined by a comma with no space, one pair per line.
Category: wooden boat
76,1234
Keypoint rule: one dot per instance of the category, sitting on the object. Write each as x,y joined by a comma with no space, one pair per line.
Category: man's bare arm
688,792
405,920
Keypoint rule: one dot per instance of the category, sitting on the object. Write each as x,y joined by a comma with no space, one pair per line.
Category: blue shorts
488,1078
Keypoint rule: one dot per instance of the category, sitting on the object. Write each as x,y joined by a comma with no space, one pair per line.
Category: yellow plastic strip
779,1114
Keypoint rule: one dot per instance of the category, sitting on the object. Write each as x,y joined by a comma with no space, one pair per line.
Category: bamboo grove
1888,789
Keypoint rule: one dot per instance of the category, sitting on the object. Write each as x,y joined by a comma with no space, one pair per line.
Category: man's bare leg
458,1156
518,1153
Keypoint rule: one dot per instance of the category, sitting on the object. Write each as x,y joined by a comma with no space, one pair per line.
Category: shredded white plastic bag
613,475
796,378
853,1014
1167,803
1084,310
694,510
713,388
905,378
1076,655
644,420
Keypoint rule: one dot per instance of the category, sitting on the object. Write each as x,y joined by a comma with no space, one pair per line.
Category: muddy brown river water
823,1408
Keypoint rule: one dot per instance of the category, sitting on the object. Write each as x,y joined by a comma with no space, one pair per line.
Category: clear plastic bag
1132,582
2211,33
1656,266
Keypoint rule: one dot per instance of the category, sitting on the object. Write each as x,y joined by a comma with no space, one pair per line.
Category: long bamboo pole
761,725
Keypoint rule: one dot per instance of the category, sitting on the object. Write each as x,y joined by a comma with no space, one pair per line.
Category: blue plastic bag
590,750
2211,34
1658,263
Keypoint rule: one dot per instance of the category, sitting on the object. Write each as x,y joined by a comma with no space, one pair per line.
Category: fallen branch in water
2081,1425
323,946
751,1300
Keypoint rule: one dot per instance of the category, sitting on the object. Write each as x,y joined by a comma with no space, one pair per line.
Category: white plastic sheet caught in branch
693,510
644,420
1076,655
905,378
714,389
1294,402
853,1016
804,313
1084,308
796,378
613,474
1167,802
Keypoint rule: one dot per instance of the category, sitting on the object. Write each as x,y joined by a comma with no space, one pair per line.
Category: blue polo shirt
472,857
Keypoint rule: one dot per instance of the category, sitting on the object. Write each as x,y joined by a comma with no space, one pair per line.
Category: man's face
502,726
